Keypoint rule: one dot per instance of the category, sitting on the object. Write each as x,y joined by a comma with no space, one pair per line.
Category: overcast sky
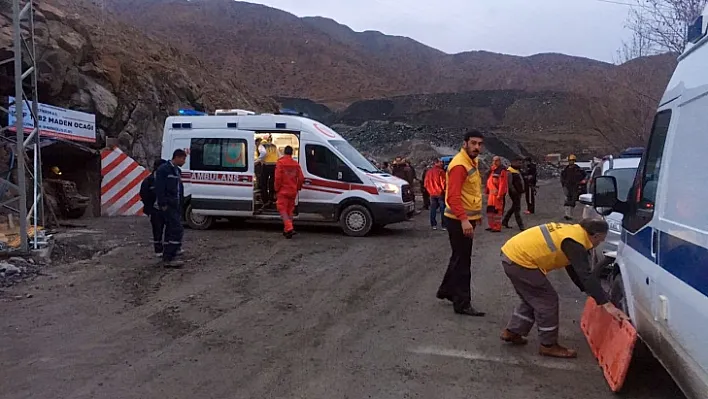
587,28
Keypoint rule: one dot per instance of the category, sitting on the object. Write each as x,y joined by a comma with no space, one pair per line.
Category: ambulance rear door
221,172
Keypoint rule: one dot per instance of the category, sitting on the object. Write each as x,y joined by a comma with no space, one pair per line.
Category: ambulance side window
322,162
219,155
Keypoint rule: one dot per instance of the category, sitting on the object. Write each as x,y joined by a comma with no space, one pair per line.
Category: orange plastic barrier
611,341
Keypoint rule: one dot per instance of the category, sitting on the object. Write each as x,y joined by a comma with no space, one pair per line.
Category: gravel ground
255,316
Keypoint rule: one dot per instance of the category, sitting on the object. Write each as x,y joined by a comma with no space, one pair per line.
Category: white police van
662,280
341,186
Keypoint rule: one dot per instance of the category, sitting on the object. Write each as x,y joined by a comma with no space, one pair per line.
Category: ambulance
661,278
220,181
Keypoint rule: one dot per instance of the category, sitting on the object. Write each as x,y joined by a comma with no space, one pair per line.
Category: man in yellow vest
463,201
529,256
268,174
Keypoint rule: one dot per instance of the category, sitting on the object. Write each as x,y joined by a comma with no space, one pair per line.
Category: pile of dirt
15,270
90,62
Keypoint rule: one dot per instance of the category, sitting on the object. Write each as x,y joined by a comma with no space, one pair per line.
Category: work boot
442,295
469,311
172,264
513,338
557,351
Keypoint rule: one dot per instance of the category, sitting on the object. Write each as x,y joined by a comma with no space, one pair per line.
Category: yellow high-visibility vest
271,154
471,189
540,247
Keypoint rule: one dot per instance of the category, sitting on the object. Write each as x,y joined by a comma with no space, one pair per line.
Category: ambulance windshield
354,156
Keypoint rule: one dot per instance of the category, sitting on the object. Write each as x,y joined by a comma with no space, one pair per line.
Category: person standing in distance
288,182
150,208
516,190
530,180
463,210
169,191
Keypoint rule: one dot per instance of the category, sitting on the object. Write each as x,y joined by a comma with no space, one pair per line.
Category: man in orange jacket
435,186
497,186
288,182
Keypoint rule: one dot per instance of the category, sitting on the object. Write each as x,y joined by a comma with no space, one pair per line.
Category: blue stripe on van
684,260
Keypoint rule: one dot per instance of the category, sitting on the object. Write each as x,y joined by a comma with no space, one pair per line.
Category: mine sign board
56,122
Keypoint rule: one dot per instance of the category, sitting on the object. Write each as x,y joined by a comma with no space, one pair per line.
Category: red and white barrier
120,186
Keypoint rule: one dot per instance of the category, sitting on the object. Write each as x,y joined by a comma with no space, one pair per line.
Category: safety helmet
572,157
55,170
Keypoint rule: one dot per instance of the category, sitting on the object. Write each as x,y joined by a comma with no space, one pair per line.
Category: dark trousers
456,283
426,197
158,230
173,233
437,204
531,199
539,303
267,183
516,211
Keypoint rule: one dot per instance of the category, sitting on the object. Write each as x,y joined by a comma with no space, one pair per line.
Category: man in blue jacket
169,192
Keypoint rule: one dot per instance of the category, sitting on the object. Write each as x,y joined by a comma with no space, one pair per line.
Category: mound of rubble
16,269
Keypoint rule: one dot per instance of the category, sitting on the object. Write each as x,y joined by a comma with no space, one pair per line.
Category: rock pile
17,269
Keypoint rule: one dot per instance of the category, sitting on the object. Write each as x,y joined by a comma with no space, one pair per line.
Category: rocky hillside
91,62
318,59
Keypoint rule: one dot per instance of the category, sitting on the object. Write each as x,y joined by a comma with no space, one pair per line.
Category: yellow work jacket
471,189
540,247
271,157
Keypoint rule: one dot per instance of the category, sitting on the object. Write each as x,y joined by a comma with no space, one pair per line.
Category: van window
323,163
686,199
646,182
219,155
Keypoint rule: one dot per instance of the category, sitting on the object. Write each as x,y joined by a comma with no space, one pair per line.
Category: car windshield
354,156
625,178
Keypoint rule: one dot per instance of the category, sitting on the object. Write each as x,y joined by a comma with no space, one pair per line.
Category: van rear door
221,172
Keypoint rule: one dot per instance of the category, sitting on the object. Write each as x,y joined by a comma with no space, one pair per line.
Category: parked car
623,170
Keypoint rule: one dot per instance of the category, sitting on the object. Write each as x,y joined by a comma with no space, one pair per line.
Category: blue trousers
437,204
174,231
158,230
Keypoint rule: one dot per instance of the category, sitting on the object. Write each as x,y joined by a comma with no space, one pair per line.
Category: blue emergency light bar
190,112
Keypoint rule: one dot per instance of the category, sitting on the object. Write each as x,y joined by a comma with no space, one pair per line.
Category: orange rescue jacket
435,181
288,177
497,186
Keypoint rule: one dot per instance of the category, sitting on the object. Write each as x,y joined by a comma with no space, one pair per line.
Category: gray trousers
539,303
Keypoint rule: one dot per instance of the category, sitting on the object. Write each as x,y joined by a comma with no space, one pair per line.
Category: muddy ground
256,316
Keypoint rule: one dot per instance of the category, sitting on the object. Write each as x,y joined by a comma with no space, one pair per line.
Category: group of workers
456,193
162,194
526,258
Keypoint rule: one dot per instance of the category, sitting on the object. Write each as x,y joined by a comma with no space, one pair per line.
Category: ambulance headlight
387,188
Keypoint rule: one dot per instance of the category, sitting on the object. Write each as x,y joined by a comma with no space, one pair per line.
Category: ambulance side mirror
604,195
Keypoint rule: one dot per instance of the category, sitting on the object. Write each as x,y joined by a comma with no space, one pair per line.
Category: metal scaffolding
26,134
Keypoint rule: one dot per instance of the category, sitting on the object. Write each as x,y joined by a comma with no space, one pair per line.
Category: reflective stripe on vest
539,247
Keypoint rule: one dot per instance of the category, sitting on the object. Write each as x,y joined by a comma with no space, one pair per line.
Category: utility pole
25,69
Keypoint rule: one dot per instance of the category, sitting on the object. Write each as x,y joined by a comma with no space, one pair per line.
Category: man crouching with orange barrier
288,182
529,256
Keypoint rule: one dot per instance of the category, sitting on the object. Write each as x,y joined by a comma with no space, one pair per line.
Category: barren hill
89,61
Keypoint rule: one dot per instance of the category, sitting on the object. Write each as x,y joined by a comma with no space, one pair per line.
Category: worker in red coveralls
288,182
497,186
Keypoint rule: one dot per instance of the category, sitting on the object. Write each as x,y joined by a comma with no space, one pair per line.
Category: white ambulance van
662,278
341,186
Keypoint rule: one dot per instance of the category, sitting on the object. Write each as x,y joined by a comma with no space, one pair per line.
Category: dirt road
256,316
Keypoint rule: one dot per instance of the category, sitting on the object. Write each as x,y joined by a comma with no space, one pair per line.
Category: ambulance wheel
198,222
356,221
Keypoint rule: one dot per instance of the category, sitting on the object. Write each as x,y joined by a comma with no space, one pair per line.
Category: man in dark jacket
530,175
571,177
169,192
150,209
516,190
423,190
